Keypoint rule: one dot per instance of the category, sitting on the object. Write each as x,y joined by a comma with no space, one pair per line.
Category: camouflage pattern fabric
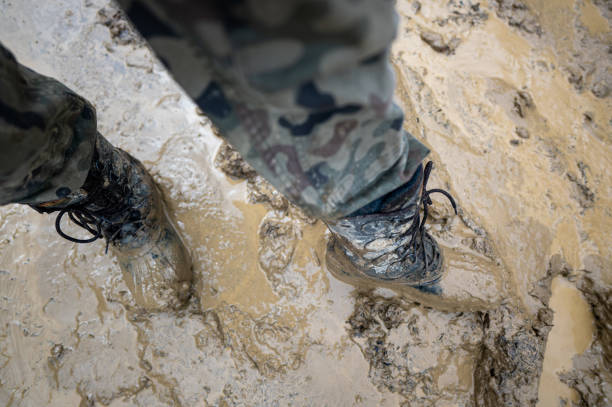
47,136
301,88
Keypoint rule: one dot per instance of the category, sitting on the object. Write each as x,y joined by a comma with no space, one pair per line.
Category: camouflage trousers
301,88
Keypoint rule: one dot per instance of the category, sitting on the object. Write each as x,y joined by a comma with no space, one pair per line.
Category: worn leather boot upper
120,202
391,245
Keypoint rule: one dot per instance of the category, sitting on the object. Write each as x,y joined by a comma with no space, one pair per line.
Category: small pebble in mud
146,365
435,41
230,162
57,350
57,353
515,142
600,89
184,291
522,132
522,101
144,382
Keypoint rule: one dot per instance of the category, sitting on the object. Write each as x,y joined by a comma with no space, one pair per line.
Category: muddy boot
387,245
120,202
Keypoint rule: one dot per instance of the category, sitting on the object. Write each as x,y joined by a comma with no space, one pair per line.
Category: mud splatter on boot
389,246
121,203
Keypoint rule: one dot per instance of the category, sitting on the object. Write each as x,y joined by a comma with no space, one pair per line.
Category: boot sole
344,270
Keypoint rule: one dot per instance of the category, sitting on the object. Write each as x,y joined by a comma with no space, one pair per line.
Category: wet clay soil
514,98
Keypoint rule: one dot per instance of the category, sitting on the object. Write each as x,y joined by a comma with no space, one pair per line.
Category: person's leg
47,136
303,90
53,159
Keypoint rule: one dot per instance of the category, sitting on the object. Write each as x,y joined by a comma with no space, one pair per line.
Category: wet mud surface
514,100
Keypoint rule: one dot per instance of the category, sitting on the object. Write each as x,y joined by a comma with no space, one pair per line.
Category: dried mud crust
517,14
511,357
424,355
433,358
590,378
443,33
231,163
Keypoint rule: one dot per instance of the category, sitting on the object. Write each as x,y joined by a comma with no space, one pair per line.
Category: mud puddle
514,100
571,335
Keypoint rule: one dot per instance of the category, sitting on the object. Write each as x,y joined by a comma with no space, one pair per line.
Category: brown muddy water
514,98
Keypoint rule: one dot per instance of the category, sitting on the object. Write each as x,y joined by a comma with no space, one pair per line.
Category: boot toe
158,274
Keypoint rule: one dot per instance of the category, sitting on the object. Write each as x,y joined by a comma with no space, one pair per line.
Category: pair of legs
301,88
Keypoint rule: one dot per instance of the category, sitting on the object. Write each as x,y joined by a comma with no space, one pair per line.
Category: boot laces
93,221
80,217
418,225
96,220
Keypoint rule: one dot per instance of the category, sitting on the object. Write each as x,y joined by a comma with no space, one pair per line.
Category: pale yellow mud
571,335
514,101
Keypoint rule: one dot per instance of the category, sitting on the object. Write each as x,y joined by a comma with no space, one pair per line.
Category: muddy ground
515,100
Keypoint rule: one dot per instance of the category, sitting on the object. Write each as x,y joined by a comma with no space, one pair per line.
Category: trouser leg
47,136
52,158
303,89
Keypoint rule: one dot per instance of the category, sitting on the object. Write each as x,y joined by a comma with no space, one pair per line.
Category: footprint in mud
277,240
519,106
425,355
474,274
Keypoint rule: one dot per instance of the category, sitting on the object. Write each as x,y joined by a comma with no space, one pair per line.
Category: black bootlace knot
95,221
97,214
418,225
82,217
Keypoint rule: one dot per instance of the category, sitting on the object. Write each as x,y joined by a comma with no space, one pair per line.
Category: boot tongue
404,196
399,198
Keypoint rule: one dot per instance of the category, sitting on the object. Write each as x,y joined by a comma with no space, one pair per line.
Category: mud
518,14
512,353
437,43
514,100
230,162
591,374
427,356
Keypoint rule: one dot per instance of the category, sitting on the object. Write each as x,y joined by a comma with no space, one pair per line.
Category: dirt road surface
515,100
